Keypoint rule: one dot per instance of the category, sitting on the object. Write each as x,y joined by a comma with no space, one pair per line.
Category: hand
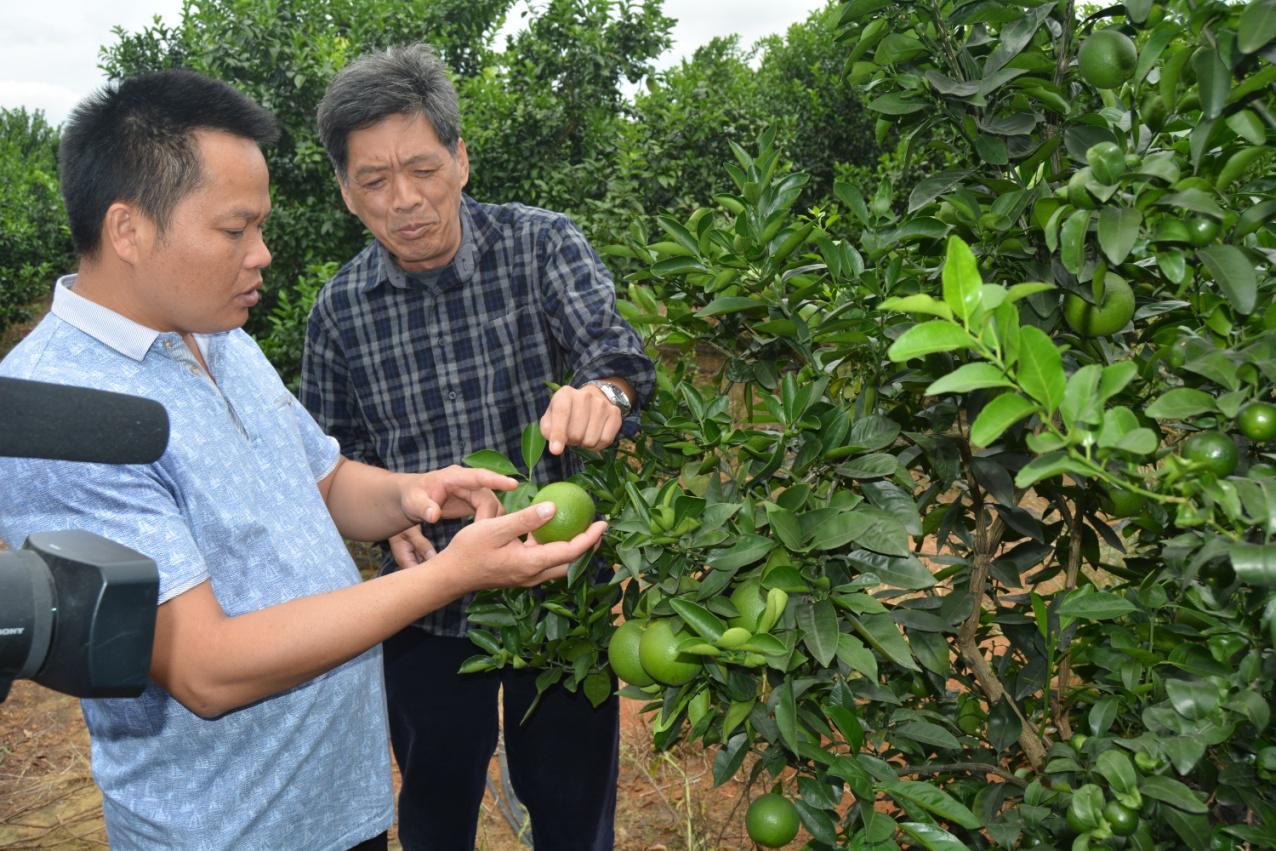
580,416
491,553
453,492
411,548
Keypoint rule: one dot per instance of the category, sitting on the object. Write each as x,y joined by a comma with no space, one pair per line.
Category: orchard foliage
964,564
35,241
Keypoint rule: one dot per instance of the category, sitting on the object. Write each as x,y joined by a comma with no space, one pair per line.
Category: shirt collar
459,271
129,338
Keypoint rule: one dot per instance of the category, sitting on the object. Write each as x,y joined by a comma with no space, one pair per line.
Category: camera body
77,614
77,611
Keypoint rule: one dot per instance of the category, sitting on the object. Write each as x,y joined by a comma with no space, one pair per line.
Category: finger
405,554
585,407
602,429
420,544
554,422
556,572
566,552
486,505
476,478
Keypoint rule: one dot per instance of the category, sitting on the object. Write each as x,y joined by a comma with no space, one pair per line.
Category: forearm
229,662
366,503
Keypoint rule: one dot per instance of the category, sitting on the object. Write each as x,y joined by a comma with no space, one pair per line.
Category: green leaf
1255,564
1191,699
1116,768
896,104
674,266
1172,792
746,550
1118,231
818,622
1004,724
1181,403
883,635
1234,272
1047,467
997,416
597,688
918,303
703,621
490,459
730,304
1257,25
933,837
1040,370
928,338
1021,291
1091,605
928,734
932,799
1214,82
963,286
1115,378
971,376
1081,403
786,717
1072,240
533,445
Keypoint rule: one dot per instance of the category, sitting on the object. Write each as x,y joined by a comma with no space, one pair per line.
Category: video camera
77,611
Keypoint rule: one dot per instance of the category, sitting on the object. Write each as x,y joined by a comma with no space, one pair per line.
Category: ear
463,162
126,232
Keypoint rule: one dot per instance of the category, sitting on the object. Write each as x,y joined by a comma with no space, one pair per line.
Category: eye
234,234
373,185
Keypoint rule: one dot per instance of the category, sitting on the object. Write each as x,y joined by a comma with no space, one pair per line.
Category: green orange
1201,230
574,512
622,653
772,820
1109,316
658,654
1212,451
1107,59
1257,421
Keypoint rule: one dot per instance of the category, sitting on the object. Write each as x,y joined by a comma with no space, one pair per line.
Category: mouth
249,298
413,230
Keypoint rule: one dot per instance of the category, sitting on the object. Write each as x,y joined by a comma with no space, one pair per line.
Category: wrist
613,393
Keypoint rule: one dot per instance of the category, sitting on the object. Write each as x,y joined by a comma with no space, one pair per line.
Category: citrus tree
950,519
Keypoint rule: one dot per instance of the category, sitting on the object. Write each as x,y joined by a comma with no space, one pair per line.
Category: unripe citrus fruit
622,653
574,512
1257,421
1100,320
1121,820
1107,59
772,820
1201,230
1213,451
659,656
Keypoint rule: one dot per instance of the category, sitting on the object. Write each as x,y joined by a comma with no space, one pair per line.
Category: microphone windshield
64,423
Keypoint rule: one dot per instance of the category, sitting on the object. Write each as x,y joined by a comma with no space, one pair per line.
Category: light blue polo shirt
233,501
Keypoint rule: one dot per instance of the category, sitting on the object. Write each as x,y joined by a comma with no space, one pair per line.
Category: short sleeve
132,505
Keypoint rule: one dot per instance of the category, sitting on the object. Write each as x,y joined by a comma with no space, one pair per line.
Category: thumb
526,521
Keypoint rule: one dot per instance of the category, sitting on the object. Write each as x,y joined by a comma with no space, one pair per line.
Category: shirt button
451,394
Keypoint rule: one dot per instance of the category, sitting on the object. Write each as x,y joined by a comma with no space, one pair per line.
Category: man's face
405,186
203,273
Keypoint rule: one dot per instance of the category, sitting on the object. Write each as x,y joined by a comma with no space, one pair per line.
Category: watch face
614,394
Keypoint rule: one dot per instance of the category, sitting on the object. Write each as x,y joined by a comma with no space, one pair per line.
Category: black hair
133,141
406,80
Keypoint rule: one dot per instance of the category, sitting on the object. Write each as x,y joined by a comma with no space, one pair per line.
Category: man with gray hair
440,338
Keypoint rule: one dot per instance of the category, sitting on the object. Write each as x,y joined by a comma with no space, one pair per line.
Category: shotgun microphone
64,423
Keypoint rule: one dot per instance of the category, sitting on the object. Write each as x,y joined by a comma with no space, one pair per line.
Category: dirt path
48,800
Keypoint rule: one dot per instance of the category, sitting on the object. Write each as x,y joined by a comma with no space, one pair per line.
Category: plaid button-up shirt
413,372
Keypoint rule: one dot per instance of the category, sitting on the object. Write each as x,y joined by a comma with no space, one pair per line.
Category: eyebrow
376,168
248,215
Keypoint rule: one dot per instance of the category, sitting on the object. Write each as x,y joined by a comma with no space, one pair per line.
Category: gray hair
404,80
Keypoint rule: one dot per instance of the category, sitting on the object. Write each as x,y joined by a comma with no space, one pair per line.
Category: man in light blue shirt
265,675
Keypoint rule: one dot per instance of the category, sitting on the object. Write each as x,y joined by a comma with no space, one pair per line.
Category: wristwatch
614,395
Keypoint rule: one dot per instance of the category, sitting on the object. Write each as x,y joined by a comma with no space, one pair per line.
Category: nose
407,195
258,256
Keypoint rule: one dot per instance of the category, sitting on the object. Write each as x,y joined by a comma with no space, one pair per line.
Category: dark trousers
563,761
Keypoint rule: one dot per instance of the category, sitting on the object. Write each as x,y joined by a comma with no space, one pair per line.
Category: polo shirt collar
129,338
458,272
